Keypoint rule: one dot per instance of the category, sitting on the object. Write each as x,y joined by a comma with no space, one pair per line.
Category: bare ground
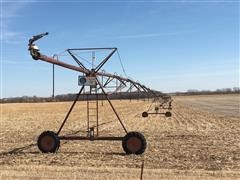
225,105
195,143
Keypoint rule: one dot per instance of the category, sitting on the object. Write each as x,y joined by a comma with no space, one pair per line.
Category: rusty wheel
145,114
134,143
48,142
168,114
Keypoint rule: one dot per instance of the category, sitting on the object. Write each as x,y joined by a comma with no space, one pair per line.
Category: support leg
70,110
112,106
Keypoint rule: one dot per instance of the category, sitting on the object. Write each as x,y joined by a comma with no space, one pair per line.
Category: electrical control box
87,81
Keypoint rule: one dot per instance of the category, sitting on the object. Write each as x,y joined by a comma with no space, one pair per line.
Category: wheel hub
134,144
47,143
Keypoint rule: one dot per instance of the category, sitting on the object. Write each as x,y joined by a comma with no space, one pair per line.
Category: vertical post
120,90
148,95
97,113
53,74
142,167
138,95
88,126
130,92
116,85
102,91
53,85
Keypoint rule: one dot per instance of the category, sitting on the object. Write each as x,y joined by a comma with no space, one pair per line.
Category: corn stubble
200,140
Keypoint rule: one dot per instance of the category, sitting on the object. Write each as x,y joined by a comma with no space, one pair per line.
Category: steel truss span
95,84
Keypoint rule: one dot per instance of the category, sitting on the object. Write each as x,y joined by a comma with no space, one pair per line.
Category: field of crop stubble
201,140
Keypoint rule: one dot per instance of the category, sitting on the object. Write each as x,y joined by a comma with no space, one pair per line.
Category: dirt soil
195,143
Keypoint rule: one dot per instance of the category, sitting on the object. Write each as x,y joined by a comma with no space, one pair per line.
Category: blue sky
167,45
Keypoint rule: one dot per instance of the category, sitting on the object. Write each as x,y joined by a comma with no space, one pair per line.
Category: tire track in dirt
201,119
204,106
188,117
188,121
197,121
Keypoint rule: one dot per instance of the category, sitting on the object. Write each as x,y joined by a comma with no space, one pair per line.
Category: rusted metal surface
63,64
137,85
95,72
96,138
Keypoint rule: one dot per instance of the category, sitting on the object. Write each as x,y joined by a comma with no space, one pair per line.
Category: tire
145,114
168,114
48,142
134,143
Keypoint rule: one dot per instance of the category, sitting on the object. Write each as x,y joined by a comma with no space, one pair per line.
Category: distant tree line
83,97
233,90
122,95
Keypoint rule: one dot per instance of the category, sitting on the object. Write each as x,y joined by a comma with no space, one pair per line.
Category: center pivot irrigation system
94,86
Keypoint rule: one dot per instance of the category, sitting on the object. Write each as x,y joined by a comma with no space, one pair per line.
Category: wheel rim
144,114
47,143
134,144
168,114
